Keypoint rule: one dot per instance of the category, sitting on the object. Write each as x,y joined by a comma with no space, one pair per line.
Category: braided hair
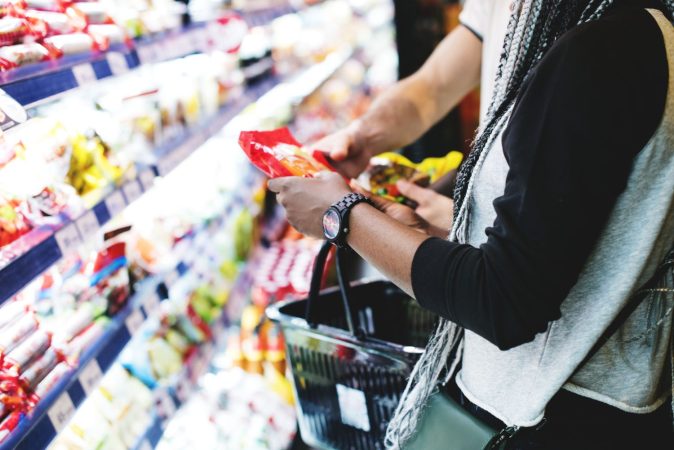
533,27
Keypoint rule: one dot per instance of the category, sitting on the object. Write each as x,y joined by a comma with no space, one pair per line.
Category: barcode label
132,191
115,203
68,239
90,377
134,321
84,74
117,63
61,412
88,225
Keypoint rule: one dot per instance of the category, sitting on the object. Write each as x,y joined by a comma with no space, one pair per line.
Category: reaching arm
405,111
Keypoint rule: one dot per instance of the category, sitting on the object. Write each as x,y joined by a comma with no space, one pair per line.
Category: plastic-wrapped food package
69,44
14,219
278,154
387,169
18,55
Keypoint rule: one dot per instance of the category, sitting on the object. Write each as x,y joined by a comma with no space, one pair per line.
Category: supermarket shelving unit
34,84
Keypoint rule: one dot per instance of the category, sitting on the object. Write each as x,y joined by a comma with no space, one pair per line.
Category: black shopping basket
351,350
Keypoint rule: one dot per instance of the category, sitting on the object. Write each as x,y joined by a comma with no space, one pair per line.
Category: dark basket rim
273,313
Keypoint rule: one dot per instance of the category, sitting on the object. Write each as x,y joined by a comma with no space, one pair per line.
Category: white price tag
61,412
151,304
147,178
117,63
134,321
132,191
145,445
166,407
171,277
352,407
84,74
68,239
146,54
183,45
90,377
88,225
115,203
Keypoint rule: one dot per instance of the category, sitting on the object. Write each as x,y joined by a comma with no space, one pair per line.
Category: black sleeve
583,114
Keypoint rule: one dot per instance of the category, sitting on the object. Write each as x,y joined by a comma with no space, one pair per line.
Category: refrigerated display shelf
32,84
54,410
19,272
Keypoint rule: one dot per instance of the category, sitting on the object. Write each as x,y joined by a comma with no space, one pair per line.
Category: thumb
413,191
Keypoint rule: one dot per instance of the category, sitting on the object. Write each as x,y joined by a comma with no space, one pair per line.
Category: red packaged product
15,334
278,154
19,358
39,368
9,424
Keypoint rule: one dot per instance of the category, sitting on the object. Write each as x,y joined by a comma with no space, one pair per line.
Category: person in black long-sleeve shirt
579,119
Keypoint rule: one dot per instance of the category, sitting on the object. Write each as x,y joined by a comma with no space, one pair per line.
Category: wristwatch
336,218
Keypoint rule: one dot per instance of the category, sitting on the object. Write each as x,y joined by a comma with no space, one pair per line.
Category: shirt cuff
428,274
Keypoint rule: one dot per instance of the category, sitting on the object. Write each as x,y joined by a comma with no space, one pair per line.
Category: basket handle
344,287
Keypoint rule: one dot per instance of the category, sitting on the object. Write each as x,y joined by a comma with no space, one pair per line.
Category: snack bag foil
278,154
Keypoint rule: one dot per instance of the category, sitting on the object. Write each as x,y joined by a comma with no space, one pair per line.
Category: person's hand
306,199
402,213
433,207
347,155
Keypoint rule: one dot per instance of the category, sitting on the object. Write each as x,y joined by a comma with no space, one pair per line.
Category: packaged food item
18,55
18,359
49,381
278,154
70,44
57,22
9,423
16,333
39,368
387,169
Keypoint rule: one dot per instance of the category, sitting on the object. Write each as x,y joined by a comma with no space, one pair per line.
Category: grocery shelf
32,84
26,267
53,411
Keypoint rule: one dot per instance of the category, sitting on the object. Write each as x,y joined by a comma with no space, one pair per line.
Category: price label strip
134,321
90,377
61,412
151,304
147,179
88,225
166,407
84,74
145,445
171,278
132,191
115,203
117,63
68,239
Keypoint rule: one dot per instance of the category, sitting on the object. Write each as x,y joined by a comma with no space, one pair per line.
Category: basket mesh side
316,374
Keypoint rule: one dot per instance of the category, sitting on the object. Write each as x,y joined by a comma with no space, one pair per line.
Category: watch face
331,223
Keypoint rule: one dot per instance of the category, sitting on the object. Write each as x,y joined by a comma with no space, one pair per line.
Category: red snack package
18,359
8,425
39,368
278,154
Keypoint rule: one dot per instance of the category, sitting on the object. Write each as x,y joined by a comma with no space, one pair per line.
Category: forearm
385,243
404,112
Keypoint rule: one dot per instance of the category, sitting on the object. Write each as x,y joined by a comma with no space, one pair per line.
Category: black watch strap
344,207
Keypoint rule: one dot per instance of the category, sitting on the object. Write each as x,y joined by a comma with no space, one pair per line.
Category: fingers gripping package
278,154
